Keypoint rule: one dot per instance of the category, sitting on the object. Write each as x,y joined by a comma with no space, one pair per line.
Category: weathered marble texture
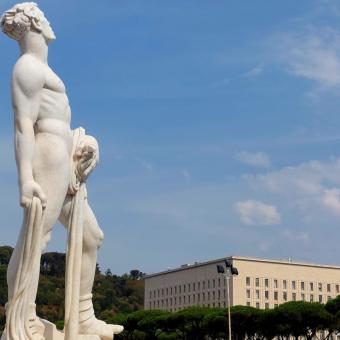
53,163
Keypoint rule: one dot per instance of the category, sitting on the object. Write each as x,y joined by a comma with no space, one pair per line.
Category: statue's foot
90,325
34,327
100,328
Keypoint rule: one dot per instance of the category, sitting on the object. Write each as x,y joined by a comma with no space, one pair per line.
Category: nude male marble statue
53,163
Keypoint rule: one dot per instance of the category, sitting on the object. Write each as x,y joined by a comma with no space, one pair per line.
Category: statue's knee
93,237
99,237
45,241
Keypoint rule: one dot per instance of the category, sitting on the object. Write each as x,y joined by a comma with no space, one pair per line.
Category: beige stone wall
260,283
273,283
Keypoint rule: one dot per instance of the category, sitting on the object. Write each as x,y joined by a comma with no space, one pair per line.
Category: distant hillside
112,294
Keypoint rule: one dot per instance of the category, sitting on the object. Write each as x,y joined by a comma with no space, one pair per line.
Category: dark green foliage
119,299
112,294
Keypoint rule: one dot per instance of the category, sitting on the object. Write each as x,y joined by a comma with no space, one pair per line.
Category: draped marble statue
53,164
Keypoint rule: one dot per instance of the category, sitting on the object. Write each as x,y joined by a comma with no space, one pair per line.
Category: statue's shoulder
29,72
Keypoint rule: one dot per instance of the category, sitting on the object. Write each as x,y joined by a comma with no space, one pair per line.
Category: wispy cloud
257,213
308,186
254,72
295,236
258,159
313,54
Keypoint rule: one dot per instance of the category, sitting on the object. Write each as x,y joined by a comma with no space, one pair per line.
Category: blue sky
218,123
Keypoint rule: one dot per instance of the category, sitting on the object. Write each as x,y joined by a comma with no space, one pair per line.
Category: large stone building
261,283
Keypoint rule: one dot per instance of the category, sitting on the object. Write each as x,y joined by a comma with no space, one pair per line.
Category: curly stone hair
20,19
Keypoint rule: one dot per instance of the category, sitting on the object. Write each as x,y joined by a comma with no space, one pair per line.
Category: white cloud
186,174
258,159
254,72
295,236
308,186
257,213
331,200
312,54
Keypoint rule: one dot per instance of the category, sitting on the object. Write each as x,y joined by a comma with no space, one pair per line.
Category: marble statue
53,164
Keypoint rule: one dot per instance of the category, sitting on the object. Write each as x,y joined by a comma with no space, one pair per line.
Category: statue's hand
30,189
89,157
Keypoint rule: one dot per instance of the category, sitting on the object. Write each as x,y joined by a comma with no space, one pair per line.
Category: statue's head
23,18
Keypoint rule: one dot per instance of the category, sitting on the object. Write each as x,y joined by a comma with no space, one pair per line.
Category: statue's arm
27,84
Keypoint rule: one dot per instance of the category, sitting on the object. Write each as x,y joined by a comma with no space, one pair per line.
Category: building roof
242,258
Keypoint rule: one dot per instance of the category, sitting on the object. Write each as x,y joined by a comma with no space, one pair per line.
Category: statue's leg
51,172
92,239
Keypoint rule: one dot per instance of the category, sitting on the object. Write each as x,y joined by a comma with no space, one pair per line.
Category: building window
276,296
198,298
311,298
266,306
150,294
175,300
184,288
248,281
171,290
189,299
224,293
219,294
320,286
284,284
248,304
257,305
311,286
180,289
266,295
248,293
184,299
162,291
180,300
266,283
302,285
303,297
194,286
293,285
203,296
257,294
213,283
203,284
276,284
225,281
214,296
175,289
208,284
208,295
337,288
219,282
257,282
320,298
167,291
328,287
189,287
294,296
284,296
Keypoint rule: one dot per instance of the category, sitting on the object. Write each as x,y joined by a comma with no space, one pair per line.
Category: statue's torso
54,115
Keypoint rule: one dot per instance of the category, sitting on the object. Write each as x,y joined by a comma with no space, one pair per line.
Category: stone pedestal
51,333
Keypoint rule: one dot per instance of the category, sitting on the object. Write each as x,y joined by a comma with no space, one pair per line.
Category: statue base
52,333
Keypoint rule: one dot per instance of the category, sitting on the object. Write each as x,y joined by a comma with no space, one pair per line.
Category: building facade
261,283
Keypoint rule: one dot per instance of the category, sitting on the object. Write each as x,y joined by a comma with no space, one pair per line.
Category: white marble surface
53,163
